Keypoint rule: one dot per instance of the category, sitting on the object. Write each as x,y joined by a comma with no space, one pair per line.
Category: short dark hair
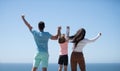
41,25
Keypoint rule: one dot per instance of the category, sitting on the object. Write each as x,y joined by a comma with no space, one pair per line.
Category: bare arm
67,32
95,38
26,23
58,34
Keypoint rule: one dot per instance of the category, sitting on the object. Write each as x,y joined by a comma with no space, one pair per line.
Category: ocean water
54,67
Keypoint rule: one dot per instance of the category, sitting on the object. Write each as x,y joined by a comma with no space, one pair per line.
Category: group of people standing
41,38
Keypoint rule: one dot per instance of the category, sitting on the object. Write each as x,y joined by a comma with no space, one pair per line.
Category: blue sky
17,44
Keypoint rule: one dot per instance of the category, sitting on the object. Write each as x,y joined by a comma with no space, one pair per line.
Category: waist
63,55
77,52
42,53
42,49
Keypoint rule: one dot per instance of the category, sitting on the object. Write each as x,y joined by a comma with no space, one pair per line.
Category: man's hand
22,15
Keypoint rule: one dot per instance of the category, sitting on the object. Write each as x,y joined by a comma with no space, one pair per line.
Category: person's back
63,42
79,42
41,39
63,48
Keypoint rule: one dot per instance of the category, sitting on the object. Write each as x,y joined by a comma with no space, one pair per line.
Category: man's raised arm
58,34
26,23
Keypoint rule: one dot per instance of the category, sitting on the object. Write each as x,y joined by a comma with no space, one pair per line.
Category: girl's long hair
80,34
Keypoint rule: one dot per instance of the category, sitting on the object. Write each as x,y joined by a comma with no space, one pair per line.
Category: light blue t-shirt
41,39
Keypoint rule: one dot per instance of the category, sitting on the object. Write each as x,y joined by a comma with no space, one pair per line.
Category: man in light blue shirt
41,38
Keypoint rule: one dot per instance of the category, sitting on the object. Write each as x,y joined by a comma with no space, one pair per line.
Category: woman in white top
79,42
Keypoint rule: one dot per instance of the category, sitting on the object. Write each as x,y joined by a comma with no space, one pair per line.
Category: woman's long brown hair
80,34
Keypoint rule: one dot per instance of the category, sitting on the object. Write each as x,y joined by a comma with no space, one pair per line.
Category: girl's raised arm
67,32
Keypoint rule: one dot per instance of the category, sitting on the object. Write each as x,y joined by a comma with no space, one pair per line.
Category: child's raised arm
27,24
67,32
59,32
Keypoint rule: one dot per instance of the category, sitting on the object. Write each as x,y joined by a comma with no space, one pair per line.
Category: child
41,38
79,42
63,55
